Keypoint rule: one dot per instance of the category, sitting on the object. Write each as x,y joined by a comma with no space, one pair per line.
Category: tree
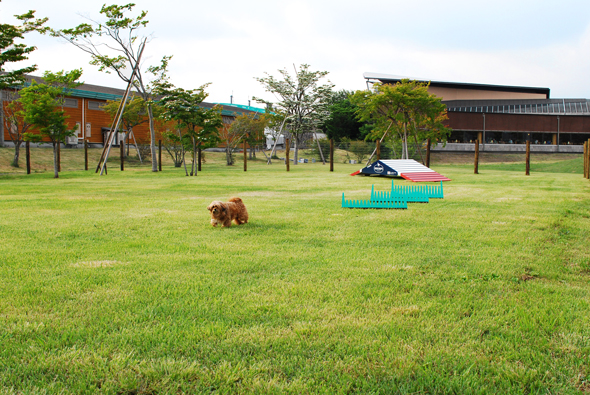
406,108
121,30
199,124
14,121
11,52
133,115
302,100
342,121
245,127
43,108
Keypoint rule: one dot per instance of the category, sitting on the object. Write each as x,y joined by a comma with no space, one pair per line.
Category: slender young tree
12,51
195,122
14,122
43,108
302,100
406,109
134,114
115,46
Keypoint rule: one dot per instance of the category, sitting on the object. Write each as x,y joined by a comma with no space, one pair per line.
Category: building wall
473,94
519,122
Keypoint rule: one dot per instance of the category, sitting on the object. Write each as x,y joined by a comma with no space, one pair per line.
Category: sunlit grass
118,284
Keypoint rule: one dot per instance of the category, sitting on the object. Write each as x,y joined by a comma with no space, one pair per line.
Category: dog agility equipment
398,197
408,169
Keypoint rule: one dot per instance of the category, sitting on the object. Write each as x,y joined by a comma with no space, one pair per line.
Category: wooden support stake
85,154
378,150
476,163
122,150
245,157
428,153
287,148
160,155
528,158
585,159
332,155
199,155
28,156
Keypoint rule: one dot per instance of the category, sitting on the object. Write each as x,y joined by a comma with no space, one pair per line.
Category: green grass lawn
119,285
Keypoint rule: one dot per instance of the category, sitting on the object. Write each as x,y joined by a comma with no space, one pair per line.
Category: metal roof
390,78
530,106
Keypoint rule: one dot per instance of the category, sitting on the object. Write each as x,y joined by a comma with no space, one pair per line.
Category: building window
227,119
95,105
72,103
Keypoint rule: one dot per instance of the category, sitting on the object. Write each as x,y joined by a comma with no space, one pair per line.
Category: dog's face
217,209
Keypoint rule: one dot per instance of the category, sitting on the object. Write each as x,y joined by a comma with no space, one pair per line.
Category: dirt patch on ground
96,264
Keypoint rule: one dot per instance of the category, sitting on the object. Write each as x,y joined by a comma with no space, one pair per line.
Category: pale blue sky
528,43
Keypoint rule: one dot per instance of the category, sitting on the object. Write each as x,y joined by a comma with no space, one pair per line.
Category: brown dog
223,213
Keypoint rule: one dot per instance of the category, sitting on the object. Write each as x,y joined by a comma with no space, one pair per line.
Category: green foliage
406,108
42,106
193,121
342,121
11,51
302,101
134,114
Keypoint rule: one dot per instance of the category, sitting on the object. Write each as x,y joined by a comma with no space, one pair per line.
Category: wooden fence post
85,154
332,155
159,155
287,148
122,150
585,159
28,156
528,158
428,153
476,164
245,157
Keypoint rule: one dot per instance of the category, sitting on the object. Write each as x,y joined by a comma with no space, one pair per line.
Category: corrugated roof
530,106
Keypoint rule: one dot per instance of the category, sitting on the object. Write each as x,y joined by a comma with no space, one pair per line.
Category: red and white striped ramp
405,168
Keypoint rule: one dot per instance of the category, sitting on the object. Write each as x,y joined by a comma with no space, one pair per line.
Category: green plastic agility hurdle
396,202
412,193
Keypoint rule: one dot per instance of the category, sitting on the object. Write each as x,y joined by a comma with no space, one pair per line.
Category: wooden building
504,118
84,109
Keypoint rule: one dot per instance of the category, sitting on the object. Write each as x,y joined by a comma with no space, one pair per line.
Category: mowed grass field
119,285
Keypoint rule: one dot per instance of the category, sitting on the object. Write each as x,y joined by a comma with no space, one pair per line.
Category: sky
228,43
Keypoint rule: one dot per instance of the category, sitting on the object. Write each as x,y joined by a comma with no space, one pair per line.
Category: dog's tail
235,200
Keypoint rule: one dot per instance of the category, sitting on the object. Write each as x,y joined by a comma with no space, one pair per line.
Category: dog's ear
209,207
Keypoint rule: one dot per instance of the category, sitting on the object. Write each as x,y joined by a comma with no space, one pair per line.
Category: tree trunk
405,142
194,157
199,156
152,139
295,156
55,165
184,161
16,155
